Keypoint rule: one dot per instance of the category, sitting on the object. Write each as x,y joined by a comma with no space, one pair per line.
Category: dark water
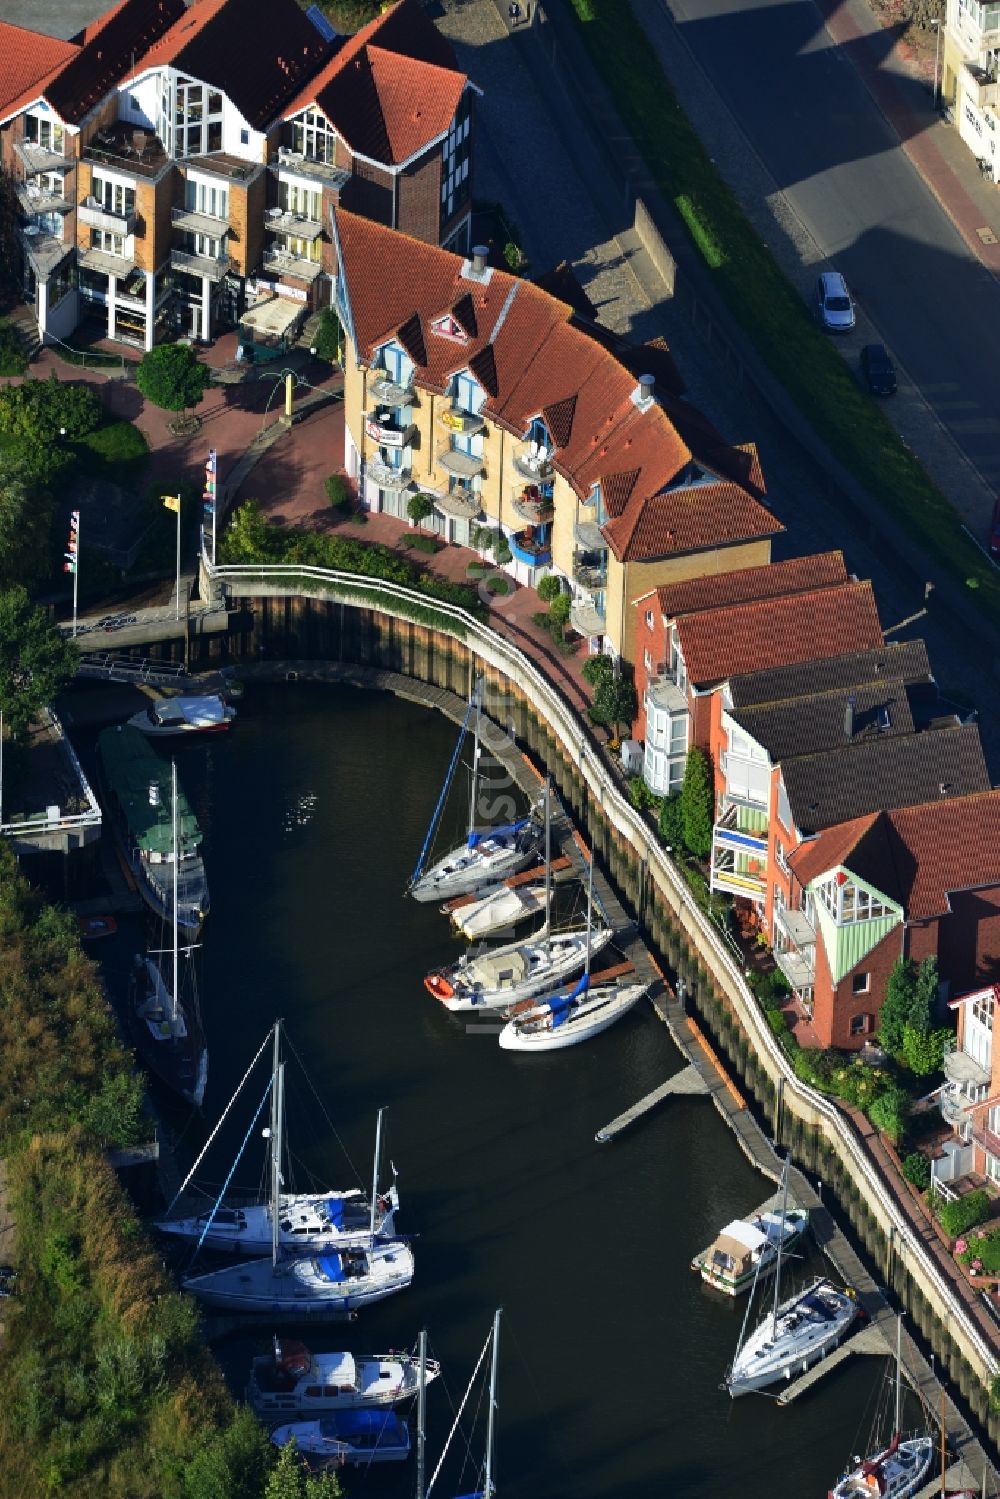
612,1352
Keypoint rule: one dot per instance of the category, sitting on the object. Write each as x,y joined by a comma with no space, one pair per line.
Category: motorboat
748,1246
170,716
291,1381
498,979
498,910
571,1017
349,1437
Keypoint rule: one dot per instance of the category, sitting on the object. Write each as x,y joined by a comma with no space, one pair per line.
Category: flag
172,502
69,566
74,520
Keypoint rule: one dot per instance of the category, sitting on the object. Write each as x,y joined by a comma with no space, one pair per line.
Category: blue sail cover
332,1266
335,1211
511,827
387,1426
562,1007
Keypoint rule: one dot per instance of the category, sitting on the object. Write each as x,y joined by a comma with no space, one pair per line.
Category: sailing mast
899,1370
781,1240
422,1413
548,855
277,1112
378,1155
477,697
590,912
176,851
489,1487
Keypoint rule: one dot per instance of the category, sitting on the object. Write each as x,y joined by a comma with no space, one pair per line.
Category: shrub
498,585
597,669
422,543
549,588
923,1051
917,1170
778,1022
172,377
501,550
117,451
981,1252
37,409
419,507
698,802
889,1111
13,360
559,613
339,494
671,822
329,338
964,1213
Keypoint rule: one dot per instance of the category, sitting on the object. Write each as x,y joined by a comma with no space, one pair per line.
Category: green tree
923,1051
894,1015
698,802
549,588
25,525
597,668
289,1479
559,610
248,537
418,507
672,822
36,661
614,702
172,376
925,993
232,1462
888,1112
329,340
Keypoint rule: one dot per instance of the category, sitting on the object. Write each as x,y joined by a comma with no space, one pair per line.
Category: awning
272,318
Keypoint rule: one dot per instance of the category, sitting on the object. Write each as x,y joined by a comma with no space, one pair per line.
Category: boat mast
422,1413
944,1449
477,695
489,1487
277,1110
590,909
781,1240
899,1369
378,1154
548,854
176,851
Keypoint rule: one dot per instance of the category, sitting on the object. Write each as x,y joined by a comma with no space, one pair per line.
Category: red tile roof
717,643
916,856
78,82
391,89
257,52
26,58
773,579
688,520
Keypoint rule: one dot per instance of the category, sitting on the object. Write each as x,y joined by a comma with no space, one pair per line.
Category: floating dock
865,1340
688,1082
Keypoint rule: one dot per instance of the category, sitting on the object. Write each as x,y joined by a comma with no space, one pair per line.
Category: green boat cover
131,767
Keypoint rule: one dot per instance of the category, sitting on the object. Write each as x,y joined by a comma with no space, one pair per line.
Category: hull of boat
903,1473
590,1017
737,1284
207,714
179,1061
372,1392
326,1451
295,1289
802,1339
561,956
247,1231
464,871
499,910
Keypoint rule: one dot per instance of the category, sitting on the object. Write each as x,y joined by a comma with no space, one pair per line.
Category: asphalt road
821,137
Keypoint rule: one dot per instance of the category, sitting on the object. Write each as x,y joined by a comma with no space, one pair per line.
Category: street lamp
937,61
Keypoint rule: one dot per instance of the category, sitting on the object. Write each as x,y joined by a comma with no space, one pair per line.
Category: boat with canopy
748,1247
355,1438
170,716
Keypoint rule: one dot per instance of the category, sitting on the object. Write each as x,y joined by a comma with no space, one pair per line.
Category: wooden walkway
866,1340
688,1081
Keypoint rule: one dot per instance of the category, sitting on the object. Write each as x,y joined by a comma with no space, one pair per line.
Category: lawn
765,302
116,452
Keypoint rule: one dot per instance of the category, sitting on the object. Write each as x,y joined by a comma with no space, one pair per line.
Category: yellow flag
172,502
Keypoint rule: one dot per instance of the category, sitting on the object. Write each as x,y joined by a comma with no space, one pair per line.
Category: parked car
833,301
994,542
878,370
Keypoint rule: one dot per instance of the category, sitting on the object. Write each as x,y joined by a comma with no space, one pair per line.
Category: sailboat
500,977
308,1222
571,1015
485,858
329,1285
897,1471
290,1381
797,1333
165,1027
488,1487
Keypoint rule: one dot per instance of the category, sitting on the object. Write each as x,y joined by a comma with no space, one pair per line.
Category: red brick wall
700,709
835,1006
654,640
369,192
419,207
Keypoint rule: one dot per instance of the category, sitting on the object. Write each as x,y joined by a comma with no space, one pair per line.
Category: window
206,197
860,983
114,197
468,394
197,119
104,240
301,249
295,197
780,857
649,619
647,659
455,153
847,902
314,136
244,137
862,1025
397,364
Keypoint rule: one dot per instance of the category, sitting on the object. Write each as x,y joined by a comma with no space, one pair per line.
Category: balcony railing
798,968
461,501
588,536
739,862
297,164
41,200
193,221
280,263
535,466
587,618
466,422
980,85
462,465
530,550
962,1069
588,573
97,216
534,507
954,1106
381,428
38,158
387,393
211,268
386,477
297,224
43,250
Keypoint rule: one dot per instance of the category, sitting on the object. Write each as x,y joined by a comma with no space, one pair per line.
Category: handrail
601,782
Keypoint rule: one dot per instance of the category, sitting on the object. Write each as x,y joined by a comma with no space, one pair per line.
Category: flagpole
76,573
177,595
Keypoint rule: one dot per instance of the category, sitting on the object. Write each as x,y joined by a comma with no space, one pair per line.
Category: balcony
739,860
381,428
280,263
989,1141
979,85
534,507
530,549
209,267
587,618
965,1071
135,153
798,962
96,215
297,164
462,502
465,422
297,224
44,251
38,158
385,477
105,264
954,1106
588,571
462,465
40,200
588,536
194,222
221,164
387,393
533,463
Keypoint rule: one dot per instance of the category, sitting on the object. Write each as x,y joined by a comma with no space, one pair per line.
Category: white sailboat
569,1016
331,1285
164,1024
291,1381
488,1486
485,858
502,976
897,1471
498,910
308,1222
797,1333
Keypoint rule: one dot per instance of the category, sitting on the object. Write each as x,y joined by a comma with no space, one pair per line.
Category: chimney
643,395
849,718
479,254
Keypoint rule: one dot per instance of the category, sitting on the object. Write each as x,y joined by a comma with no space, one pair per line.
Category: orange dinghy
438,985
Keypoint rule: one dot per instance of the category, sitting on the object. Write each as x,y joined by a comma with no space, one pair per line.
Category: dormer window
448,327
467,394
849,902
314,136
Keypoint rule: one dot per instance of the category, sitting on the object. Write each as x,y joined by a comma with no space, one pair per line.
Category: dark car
995,532
878,370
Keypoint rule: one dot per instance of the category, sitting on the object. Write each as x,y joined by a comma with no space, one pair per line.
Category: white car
833,300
